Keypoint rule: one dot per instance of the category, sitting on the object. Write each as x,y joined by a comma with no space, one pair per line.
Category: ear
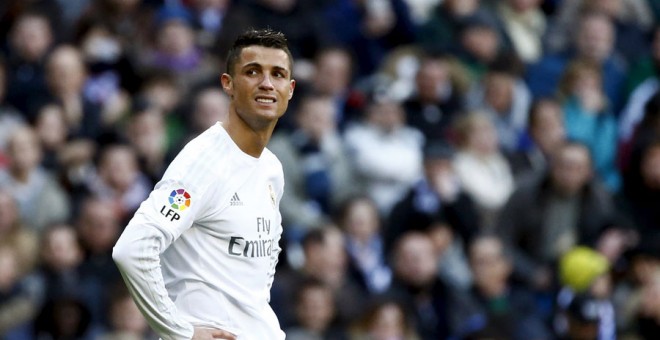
227,84
291,88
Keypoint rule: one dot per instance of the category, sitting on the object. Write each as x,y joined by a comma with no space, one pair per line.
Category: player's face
261,85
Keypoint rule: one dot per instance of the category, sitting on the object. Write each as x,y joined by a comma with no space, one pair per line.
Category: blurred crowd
455,169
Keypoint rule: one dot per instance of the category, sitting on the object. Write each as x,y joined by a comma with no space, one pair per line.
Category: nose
266,83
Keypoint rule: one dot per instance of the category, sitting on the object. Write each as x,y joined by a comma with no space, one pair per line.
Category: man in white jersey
199,255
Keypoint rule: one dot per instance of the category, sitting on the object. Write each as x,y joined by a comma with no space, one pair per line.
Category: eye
280,74
251,72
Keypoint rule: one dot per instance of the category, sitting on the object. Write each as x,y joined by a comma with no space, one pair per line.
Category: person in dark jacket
439,310
548,215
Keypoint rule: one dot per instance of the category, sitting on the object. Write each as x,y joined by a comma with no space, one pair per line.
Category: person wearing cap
586,294
581,319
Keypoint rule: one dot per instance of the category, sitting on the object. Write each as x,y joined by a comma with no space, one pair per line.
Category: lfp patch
179,199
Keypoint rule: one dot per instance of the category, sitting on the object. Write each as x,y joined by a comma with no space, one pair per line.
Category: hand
203,333
592,100
447,186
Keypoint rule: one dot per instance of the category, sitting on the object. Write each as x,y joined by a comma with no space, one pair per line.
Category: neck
250,139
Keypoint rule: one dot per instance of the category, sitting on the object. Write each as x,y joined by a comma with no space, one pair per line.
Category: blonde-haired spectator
481,167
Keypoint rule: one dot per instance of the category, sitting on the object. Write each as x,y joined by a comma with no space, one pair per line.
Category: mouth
265,100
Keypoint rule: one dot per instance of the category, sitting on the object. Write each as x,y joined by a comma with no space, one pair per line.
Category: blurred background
455,169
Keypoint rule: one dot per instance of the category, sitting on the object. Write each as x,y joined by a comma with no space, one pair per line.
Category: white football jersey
201,250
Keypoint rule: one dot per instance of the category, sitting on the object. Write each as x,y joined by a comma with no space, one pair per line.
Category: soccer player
199,255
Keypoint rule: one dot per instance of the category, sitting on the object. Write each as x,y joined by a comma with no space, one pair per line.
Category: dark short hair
262,37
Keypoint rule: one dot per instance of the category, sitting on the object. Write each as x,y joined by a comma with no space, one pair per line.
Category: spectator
438,205
547,131
175,49
325,259
237,19
161,91
131,20
589,118
446,22
585,272
484,173
66,289
304,26
98,230
209,108
15,236
370,28
549,215
30,40
146,133
524,26
645,133
642,190
111,74
385,319
505,98
594,41
635,302
209,18
581,318
332,76
438,96
126,321
479,43
439,311
509,309
316,165
18,305
65,76
63,318
632,21
118,179
359,220
648,317
384,129
40,198
53,131
315,310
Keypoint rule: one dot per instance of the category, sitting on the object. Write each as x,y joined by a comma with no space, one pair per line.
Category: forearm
137,255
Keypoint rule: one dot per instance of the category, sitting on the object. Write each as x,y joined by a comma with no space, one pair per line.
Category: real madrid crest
272,195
